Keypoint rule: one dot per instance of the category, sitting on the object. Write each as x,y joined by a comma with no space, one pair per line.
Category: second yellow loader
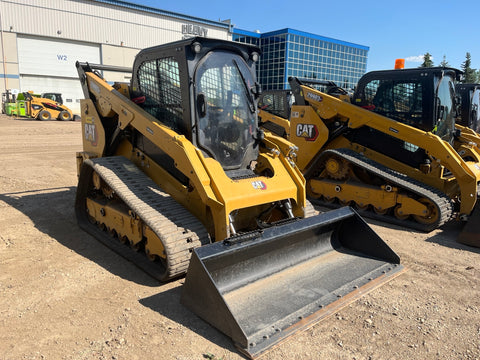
400,159
469,123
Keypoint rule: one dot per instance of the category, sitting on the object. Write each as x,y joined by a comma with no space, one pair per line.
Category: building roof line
152,10
247,33
300,33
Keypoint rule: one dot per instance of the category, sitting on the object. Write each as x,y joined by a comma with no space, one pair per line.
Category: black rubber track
177,228
442,202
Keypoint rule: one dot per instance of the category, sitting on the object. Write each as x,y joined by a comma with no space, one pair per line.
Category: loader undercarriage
345,177
129,213
127,205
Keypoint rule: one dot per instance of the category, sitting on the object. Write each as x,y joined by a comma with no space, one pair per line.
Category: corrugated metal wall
91,21
119,32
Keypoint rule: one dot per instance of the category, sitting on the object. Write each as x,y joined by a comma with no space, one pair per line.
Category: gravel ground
63,295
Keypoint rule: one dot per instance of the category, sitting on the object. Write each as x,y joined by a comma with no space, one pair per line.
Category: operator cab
204,89
57,97
470,103
423,97
279,102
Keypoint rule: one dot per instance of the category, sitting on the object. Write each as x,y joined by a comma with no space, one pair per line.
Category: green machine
21,105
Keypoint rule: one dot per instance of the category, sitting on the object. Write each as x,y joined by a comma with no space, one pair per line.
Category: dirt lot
63,295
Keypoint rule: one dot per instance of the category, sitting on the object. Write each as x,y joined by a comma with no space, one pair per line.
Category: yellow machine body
46,109
211,194
175,166
320,122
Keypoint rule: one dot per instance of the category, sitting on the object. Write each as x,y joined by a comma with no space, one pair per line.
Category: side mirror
201,105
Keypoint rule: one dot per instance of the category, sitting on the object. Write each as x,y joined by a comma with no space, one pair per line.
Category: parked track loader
433,104
404,172
175,166
425,98
469,122
470,105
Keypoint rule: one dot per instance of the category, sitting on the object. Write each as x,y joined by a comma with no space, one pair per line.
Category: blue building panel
288,52
247,33
314,36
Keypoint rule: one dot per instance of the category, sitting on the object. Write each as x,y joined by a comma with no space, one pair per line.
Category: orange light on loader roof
399,64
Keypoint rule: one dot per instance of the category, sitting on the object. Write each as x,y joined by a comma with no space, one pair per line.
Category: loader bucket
470,234
261,290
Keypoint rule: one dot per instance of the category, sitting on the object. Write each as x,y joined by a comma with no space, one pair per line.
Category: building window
288,54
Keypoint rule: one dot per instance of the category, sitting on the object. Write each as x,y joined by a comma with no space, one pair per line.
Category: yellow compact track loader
174,166
469,123
428,99
451,113
394,163
469,95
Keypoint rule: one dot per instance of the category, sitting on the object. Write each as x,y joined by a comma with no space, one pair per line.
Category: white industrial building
42,39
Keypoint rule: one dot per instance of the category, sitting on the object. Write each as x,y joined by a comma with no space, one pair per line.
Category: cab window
445,109
159,81
398,100
226,108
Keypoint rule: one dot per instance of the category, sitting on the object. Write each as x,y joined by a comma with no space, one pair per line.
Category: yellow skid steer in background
45,109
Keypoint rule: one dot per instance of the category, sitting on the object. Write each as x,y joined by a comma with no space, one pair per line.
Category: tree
444,62
427,60
470,75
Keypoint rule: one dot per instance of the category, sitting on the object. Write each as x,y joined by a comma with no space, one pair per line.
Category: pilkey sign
195,30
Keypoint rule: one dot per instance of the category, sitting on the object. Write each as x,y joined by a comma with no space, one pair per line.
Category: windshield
475,113
445,108
227,114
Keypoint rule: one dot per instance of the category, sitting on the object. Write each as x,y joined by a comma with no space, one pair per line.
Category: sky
404,29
